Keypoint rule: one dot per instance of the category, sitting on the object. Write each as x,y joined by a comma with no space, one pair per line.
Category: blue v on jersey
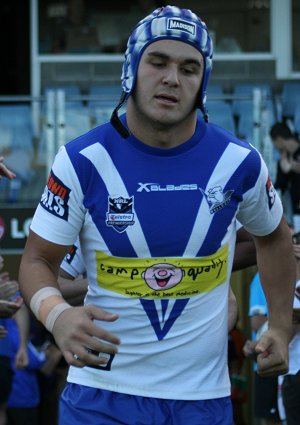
157,231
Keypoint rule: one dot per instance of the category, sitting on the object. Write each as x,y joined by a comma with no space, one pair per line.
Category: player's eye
189,69
158,63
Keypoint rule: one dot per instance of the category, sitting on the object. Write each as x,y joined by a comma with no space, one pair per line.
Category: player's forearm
35,274
39,265
38,279
277,267
73,291
42,294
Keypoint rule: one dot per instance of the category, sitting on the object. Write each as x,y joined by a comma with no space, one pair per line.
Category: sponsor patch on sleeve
71,254
56,197
271,193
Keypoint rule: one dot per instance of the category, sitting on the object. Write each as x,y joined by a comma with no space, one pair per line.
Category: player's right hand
78,337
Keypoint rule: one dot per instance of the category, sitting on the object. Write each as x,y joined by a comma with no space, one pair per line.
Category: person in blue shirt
24,397
7,309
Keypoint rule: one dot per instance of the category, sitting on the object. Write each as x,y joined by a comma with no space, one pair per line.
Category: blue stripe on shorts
81,405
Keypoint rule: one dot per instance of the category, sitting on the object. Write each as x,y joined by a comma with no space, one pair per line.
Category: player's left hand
272,353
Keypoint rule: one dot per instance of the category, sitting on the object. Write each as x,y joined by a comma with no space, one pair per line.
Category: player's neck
157,134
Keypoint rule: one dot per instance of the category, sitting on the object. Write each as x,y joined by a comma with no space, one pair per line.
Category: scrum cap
168,22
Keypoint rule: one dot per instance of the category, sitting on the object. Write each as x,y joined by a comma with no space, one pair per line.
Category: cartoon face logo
216,198
215,194
162,276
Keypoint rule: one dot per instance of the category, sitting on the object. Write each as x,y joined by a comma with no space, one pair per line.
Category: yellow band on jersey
162,277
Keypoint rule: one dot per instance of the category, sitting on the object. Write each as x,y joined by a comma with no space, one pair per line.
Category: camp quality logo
120,213
179,24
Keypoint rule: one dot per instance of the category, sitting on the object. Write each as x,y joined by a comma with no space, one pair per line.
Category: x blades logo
156,187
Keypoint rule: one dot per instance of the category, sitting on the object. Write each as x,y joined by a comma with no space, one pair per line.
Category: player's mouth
162,282
166,99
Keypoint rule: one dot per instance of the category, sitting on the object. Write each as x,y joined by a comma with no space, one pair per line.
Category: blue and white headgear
168,22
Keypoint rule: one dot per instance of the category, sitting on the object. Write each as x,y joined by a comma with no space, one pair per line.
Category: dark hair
281,129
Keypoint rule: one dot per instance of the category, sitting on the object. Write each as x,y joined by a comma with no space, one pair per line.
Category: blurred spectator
288,169
11,304
4,171
24,398
7,309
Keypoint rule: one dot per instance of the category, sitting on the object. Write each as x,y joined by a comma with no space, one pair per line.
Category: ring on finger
76,357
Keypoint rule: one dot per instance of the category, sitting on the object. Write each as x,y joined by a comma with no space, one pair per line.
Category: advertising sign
14,228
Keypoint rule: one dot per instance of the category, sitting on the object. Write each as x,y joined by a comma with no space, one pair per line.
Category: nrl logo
216,199
120,214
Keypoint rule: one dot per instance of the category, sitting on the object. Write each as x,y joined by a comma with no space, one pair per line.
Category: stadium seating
290,98
16,138
244,93
72,94
16,144
103,99
215,91
77,122
220,113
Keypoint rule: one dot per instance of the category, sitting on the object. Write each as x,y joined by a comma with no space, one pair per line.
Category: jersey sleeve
73,262
261,210
60,213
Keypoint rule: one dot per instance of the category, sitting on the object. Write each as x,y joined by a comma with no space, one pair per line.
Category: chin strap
115,120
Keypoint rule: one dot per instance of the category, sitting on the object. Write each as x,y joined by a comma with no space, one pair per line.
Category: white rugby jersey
157,231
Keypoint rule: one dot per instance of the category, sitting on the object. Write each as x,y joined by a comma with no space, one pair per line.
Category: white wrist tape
40,296
48,312
54,313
